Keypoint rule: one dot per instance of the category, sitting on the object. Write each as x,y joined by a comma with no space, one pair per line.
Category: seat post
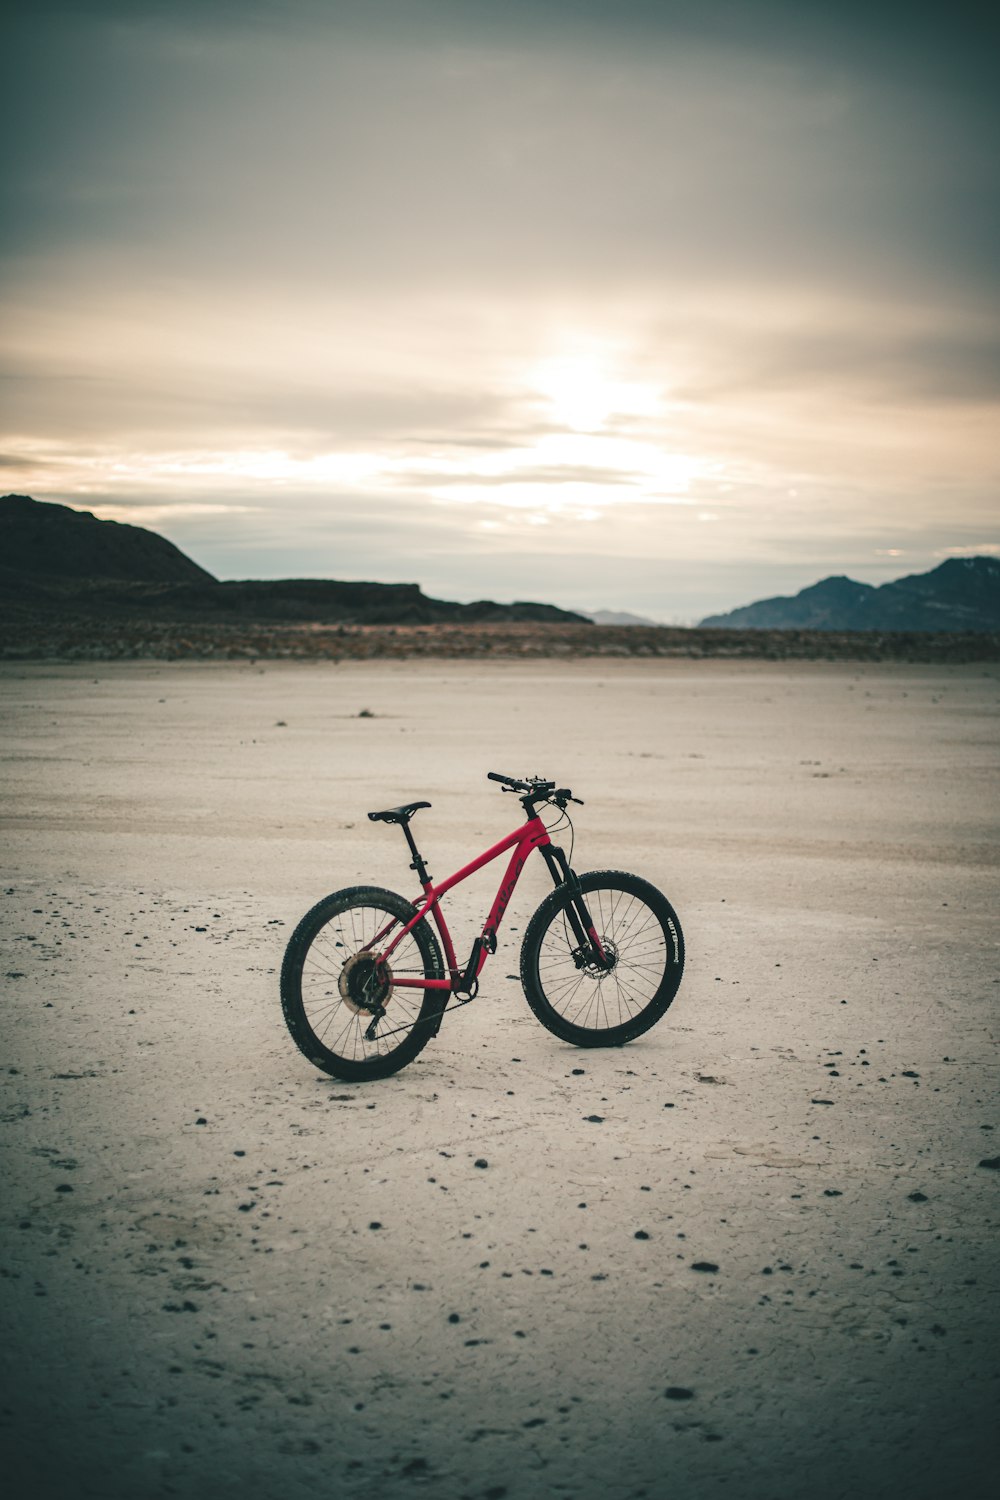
418,863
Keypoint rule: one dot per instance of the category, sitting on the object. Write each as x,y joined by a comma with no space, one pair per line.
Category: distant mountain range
961,594
57,560
618,617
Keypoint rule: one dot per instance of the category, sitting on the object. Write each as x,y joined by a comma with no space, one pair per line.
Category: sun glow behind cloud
583,395
589,441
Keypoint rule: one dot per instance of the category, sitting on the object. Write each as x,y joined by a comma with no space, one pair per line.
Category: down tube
533,837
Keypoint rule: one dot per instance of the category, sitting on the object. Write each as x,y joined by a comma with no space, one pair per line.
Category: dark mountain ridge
57,560
962,594
54,541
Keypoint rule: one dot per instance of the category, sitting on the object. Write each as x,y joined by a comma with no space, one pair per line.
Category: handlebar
536,789
515,784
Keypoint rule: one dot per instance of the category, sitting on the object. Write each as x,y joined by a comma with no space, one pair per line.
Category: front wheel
583,1002
341,1006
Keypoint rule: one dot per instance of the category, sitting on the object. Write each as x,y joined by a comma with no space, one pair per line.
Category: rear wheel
345,1013
588,1004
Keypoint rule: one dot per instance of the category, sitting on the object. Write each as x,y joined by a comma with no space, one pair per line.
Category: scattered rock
704,1265
678,1393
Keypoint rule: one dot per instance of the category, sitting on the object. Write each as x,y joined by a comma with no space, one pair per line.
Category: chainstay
423,1020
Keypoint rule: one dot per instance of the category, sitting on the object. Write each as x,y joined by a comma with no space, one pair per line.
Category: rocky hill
55,541
962,594
54,560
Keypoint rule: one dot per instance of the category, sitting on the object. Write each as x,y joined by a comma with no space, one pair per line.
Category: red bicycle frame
531,835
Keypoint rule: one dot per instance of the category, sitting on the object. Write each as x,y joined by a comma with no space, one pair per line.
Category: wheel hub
365,984
584,959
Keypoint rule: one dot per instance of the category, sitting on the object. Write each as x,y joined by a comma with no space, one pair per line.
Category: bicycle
364,985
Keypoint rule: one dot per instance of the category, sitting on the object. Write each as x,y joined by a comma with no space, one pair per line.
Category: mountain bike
364,984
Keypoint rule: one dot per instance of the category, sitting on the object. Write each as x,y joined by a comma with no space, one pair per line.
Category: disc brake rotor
364,985
584,959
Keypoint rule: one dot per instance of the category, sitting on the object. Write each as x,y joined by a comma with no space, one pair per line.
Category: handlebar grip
513,781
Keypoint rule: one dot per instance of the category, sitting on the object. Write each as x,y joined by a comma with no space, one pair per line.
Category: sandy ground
225,1274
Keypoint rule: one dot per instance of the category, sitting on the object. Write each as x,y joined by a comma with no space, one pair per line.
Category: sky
663,307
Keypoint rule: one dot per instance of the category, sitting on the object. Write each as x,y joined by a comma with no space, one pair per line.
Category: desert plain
224,1273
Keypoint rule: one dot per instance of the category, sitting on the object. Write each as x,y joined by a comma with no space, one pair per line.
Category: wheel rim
601,1000
341,993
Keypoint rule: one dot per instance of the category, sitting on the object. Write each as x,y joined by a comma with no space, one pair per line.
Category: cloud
220,149
307,263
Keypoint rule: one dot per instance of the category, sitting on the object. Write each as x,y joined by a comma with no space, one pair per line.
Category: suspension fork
579,916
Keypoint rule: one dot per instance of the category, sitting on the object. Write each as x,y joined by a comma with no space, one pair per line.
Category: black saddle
397,814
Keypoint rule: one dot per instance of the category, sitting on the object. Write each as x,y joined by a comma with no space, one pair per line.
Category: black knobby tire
319,992
599,1008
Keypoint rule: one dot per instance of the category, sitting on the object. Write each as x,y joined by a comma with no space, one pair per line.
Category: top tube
532,835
